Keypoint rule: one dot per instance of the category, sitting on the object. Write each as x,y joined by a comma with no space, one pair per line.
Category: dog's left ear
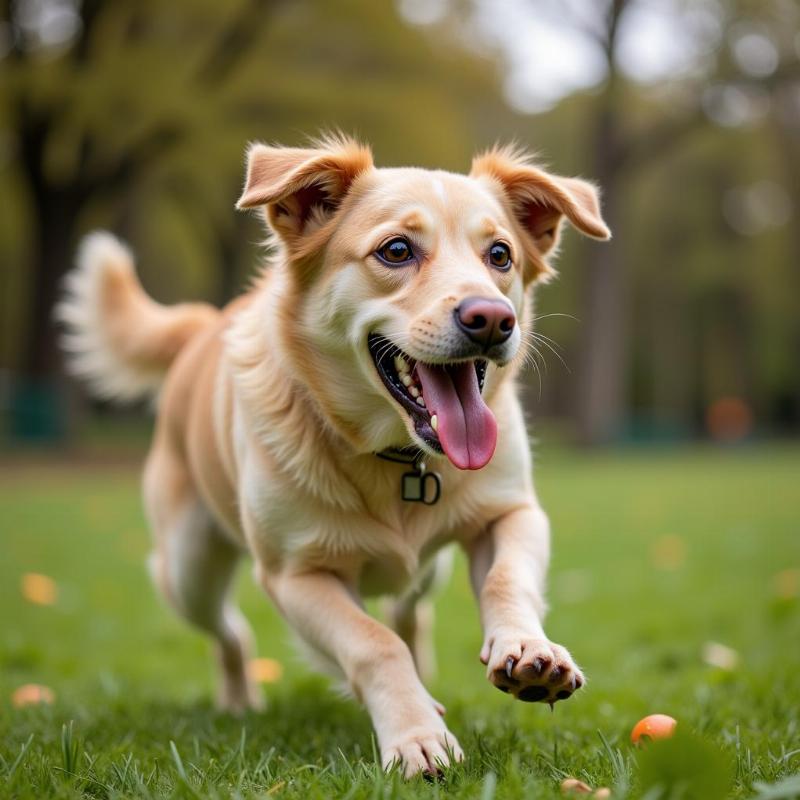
301,188
539,202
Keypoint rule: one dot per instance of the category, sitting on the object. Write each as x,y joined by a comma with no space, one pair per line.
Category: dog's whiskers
539,335
554,314
530,355
384,349
399,342
530,358
533,338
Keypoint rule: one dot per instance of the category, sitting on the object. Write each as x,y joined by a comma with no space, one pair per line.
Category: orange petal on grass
787,583
31,694
669,552
265,670
39,589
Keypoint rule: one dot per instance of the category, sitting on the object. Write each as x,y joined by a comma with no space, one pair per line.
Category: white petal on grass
720,656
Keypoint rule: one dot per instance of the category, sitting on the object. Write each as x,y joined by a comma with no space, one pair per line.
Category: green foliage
686,767
139,124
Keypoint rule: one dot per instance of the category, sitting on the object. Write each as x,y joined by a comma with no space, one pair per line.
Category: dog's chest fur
379,544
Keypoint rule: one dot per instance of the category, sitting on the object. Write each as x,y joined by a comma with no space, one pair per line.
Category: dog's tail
116,338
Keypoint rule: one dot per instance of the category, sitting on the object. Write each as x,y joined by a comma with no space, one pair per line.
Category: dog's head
404,290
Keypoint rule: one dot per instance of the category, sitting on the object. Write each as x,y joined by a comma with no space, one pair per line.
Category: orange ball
656,726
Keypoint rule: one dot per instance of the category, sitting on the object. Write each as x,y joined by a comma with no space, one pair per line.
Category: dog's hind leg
411,615
193,564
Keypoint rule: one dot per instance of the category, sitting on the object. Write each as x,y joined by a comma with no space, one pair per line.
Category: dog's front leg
377,664
508,564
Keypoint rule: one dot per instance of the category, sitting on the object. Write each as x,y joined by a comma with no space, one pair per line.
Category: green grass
654,554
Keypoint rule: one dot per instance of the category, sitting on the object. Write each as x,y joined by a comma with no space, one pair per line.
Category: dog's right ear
301,188
540,201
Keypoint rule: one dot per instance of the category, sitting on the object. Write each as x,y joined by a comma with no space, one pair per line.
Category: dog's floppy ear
302,187
540,201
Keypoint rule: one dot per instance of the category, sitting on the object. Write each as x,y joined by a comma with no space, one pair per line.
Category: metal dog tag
421,487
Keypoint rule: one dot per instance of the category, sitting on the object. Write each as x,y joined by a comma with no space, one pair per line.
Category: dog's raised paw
532,670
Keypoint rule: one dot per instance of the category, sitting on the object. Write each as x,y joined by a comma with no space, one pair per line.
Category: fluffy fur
119,340
272,410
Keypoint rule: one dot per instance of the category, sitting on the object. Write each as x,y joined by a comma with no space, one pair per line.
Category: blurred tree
95,97
120,112
728,56
134,116
619,147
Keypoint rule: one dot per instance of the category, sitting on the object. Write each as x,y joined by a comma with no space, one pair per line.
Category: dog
349,416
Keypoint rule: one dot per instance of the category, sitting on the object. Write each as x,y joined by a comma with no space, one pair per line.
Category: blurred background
133,115
676,569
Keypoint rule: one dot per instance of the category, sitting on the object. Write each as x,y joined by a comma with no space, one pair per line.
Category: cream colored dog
389,322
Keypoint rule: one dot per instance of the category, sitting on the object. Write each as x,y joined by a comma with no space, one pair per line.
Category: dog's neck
281,412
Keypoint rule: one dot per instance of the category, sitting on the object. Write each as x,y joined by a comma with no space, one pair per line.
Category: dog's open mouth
443,400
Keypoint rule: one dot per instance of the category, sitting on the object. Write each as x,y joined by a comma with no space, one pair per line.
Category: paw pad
534,671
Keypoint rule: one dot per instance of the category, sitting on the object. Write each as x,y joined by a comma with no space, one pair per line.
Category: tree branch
90,13
660,138
594,27
615,12
236,42
122,171
664,136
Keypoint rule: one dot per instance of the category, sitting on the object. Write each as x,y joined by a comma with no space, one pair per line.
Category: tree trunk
51,258
787,403
600,385
38,405
670,343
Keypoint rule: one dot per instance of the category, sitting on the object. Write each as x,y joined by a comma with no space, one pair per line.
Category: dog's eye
500,255
395,252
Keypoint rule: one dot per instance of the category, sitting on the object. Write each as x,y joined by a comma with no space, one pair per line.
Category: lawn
655,554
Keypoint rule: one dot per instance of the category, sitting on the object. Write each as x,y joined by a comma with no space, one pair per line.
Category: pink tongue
465,425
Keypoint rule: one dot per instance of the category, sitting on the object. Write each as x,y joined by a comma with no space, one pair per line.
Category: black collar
402,455
418,485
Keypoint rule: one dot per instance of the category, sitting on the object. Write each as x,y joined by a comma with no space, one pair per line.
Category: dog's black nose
485,321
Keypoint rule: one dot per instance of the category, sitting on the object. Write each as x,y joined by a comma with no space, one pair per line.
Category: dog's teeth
421,401
434,422
414,392
406,379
